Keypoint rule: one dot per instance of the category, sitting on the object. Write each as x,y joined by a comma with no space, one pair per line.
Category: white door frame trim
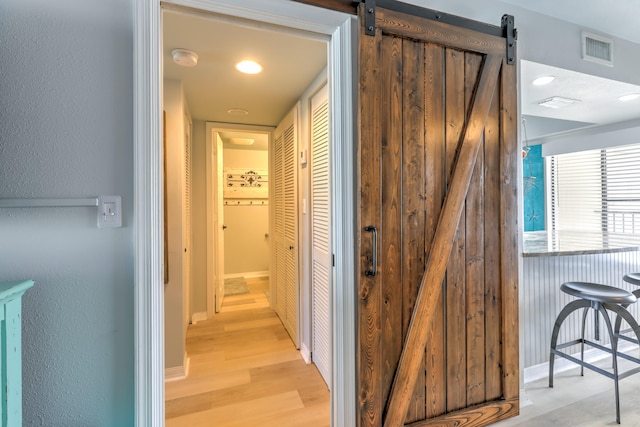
148,192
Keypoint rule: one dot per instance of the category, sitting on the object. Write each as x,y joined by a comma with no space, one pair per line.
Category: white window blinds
596,191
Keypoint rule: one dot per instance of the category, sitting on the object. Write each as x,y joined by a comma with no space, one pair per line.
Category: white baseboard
249,275
524,399
305,353
178,373
537,372
198,317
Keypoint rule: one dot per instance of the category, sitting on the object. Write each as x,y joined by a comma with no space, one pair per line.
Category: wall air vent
598,49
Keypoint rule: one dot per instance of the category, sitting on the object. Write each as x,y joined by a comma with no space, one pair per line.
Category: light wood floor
245,371
574,400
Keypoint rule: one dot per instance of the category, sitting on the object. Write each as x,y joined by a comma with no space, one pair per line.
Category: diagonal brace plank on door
442,244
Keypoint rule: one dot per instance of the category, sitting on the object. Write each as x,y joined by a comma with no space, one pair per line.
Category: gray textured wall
66,131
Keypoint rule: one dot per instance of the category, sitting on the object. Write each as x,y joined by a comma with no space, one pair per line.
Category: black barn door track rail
506,30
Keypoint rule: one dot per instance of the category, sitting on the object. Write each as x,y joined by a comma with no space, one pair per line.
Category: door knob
224,227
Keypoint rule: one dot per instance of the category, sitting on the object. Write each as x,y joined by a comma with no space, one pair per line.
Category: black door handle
374,267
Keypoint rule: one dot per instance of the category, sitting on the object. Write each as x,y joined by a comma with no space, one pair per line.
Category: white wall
66,131
239,159
246,246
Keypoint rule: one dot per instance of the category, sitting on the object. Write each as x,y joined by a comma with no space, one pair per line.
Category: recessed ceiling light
544,80
237,112
557,102
242,141
184,57
629,97
248,67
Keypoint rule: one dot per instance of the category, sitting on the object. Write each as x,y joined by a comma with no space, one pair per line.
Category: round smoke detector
184,57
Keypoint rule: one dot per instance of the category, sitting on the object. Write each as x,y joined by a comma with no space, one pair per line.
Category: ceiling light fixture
242,141
237,112
557,102
544,80
629,97
249,67
184,57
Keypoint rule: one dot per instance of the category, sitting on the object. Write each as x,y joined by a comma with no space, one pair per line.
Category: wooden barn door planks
438,301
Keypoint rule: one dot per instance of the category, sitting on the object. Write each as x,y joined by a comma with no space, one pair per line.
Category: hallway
244,370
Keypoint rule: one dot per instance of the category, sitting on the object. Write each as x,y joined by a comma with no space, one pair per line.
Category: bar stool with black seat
600,298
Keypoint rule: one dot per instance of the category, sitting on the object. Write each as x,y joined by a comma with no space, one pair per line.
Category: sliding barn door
438,301
285,211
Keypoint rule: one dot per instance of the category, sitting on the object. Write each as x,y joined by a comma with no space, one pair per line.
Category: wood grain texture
476,416
431,324
413,184
414,27
346,6
474,258
369,294
411,357
509,220
492,277
245,370
435,190
390,233
455,113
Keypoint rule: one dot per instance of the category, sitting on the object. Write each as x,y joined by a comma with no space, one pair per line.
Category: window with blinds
596,191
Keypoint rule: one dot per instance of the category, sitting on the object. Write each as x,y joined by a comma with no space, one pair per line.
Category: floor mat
235,286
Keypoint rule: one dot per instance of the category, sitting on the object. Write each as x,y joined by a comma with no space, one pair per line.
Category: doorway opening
266,175
338,28
237,208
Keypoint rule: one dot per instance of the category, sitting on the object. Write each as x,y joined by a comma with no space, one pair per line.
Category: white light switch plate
109,211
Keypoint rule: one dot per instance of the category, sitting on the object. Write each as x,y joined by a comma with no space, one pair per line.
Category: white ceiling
292,60
598,96
260,140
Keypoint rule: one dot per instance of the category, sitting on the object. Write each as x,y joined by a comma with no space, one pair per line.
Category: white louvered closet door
320,235
286,224
186,224
279,269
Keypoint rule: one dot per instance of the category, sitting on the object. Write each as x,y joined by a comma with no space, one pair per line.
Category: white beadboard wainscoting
541,301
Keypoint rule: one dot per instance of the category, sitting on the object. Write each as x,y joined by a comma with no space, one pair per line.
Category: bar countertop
559,243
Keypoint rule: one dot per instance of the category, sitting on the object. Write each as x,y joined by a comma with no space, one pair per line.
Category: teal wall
533,192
